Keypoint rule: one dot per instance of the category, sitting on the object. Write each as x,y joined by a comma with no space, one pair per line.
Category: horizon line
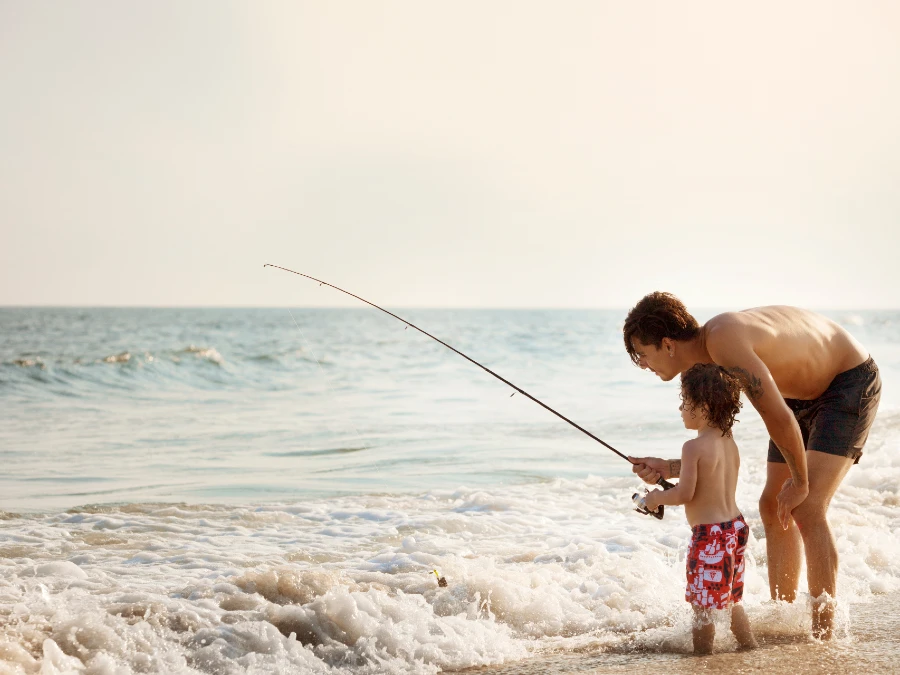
413,307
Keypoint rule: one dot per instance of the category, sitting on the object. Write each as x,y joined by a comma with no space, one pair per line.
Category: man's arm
730,351
684,491
651,469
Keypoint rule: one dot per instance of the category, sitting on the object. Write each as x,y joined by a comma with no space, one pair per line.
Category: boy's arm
684,491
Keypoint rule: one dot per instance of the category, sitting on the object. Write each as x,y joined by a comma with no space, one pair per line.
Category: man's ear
667,345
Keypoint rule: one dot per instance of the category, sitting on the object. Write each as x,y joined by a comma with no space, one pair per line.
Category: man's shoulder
728,321
727,332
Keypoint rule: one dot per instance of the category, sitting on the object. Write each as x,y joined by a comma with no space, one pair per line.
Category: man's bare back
803,351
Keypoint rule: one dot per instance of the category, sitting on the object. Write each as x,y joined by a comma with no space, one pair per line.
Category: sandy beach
871,645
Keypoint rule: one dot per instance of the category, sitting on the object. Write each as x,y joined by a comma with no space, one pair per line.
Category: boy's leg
740,626
704,630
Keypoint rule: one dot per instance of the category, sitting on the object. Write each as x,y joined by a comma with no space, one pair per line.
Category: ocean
270,491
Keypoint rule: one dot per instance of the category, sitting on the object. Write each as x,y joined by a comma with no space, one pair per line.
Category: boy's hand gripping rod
638,500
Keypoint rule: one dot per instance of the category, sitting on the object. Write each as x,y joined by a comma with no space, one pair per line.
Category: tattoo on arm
750,383
674,468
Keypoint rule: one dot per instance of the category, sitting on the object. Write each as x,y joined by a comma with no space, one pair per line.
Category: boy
711,398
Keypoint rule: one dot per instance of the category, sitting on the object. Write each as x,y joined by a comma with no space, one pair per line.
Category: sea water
269,491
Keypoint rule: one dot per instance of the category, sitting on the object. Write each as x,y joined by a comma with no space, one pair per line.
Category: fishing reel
641,505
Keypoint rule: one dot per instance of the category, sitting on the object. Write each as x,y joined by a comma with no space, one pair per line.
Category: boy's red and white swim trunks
715,564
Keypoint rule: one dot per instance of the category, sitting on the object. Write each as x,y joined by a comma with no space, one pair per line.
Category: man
817,391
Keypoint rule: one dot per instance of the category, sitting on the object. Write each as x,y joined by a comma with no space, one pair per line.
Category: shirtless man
817,391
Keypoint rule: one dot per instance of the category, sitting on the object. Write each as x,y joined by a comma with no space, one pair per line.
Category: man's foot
823,617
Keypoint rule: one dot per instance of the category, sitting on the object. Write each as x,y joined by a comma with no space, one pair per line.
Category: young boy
711,398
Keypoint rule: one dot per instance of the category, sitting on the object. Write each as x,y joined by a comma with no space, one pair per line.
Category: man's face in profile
656,359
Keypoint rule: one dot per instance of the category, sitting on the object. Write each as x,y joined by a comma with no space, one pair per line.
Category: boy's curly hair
657,316
715,391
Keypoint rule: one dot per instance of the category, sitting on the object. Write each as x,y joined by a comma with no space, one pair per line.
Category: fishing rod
637,499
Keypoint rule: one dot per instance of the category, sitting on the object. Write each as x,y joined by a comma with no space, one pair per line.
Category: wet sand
873,646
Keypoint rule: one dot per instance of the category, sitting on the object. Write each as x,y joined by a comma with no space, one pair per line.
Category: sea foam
346,584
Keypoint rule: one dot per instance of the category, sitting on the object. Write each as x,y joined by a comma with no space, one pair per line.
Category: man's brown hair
658,315
714,391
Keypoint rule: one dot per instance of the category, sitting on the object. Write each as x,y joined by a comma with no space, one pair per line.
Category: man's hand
651,469
789,499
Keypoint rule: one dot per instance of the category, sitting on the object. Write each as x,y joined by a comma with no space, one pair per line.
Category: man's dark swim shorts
838,422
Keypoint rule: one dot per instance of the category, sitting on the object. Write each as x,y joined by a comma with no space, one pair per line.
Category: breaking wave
347,585
129,369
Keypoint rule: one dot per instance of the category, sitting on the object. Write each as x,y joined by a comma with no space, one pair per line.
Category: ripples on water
211,491
212,404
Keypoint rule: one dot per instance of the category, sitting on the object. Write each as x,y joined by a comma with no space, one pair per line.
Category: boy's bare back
717,463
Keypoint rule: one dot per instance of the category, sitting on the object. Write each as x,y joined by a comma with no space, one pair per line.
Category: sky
466,154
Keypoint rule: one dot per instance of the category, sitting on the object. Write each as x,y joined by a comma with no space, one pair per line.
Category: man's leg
825,475
783,547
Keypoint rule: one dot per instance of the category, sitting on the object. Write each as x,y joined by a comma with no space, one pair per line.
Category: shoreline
871,647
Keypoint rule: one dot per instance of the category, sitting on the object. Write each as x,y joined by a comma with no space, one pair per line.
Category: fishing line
661,482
